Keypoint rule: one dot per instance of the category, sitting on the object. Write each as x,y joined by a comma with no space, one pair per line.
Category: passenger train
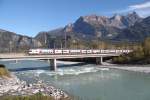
74,51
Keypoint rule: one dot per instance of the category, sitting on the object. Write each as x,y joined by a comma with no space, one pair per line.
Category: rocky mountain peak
93,19
131,18
93,24
117,21
133,15
116,17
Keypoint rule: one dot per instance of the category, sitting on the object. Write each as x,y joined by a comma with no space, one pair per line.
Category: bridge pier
53,65
99,60
16,61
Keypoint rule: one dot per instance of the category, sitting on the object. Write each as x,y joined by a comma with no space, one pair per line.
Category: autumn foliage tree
140,54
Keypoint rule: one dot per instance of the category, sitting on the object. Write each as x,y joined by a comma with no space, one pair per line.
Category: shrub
4,71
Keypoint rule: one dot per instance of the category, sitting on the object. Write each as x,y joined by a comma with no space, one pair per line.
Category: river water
86,81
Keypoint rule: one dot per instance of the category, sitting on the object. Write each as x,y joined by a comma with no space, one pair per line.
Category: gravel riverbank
13,86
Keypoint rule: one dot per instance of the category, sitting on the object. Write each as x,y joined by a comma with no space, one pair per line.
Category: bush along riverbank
141,55
11,88
4,72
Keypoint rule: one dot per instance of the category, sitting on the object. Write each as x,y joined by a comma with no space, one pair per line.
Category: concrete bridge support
99,60
16,61
53,64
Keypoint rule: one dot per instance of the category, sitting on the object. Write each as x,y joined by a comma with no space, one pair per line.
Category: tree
146,46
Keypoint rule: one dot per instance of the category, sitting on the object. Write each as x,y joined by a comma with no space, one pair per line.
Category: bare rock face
11,42
99,24
138,32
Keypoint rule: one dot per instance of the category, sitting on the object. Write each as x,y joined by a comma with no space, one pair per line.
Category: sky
28,17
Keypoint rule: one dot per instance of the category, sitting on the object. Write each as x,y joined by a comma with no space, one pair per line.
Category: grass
37,96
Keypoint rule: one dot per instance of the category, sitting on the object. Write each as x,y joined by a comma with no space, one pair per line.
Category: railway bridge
53,58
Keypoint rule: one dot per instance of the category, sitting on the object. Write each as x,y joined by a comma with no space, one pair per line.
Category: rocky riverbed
14,86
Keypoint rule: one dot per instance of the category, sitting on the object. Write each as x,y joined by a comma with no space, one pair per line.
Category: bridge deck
22,56
52,58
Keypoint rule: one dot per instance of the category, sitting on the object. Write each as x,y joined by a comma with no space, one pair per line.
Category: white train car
46,51
74,51
112,51
119,51
41,51
104,51
89,51
34,51
125,51
50,51
57,51
83,51
65,51
96,51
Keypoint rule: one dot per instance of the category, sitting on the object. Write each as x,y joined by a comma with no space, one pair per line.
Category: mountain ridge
12,42
94,26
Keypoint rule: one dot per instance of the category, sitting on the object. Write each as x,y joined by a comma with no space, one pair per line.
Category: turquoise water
87,82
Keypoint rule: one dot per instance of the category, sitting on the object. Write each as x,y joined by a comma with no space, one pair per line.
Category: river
86,81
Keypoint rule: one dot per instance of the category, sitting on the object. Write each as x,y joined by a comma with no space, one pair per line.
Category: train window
83,51
89,51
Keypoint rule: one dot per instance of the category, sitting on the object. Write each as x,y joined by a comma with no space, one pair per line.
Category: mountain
43,36
10,41
104,27
92,27
138,32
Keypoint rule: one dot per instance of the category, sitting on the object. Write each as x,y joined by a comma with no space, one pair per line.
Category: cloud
143,9
144,5
143,12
